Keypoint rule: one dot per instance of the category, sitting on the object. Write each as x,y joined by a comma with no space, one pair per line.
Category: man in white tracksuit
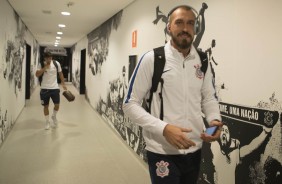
174,144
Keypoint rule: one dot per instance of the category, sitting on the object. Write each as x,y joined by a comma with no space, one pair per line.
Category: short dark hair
186,7
47,54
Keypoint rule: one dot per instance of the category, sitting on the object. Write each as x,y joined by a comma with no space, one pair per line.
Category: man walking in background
48,71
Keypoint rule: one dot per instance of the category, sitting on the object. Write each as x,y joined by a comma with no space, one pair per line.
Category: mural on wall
6,124
110,108
201,16
248,145
35,52
98,43
33,66
15,50
11,72
76,68
160,16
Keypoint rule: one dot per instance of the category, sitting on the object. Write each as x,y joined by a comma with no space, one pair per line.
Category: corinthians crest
199,73
162,168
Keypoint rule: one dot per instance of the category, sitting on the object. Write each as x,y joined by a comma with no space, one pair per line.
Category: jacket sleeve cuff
160,127
211,118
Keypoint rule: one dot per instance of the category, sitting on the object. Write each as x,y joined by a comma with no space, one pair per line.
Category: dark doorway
27,72
82,71
132,64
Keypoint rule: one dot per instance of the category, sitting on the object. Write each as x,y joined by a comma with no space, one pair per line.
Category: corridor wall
14,36
243,41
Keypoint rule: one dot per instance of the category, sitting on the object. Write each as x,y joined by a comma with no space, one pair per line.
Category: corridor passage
83,149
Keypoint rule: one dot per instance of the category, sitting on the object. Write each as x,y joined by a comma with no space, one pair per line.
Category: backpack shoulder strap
41,76
159,63
204,61
56,65
42,64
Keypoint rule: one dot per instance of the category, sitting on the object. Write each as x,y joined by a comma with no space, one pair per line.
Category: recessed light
65,13
59,33
58,37
62,25
46,11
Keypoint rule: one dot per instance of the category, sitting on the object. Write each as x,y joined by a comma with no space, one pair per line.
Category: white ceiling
85,16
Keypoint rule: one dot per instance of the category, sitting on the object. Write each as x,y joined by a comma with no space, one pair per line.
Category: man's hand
47,64
210,138
176,137
64,87
43,69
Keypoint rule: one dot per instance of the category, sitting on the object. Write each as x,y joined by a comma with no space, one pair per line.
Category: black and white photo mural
33,66
98,43
248,145
76,68
14,36
98,50
11,79
6,123
15,50
109,106
111,110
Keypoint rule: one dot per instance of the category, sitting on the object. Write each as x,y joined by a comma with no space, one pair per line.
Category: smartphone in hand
211,130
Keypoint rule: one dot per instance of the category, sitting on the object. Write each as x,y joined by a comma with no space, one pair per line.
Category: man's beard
184,43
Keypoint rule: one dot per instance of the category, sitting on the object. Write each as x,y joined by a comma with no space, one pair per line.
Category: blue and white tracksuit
187,94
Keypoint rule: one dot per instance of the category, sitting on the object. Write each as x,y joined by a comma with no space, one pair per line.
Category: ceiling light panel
65,13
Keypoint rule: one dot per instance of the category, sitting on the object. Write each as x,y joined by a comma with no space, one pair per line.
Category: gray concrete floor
83,149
